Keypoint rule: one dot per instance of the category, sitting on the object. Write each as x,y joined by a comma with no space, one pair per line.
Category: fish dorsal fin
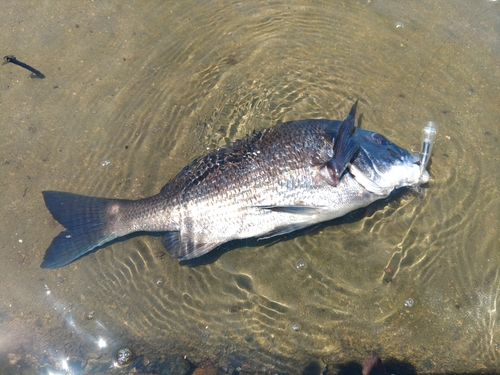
345,149
184,249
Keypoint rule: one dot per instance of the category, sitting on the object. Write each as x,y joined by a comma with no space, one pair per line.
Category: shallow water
134,91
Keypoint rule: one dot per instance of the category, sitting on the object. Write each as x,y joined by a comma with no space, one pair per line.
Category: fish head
381,166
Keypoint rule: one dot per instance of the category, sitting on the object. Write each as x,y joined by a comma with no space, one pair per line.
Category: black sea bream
272,182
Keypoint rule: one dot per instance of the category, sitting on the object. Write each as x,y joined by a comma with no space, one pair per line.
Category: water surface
134,91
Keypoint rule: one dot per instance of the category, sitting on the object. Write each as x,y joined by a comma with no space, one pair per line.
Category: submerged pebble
124,356
409,302
235,309
301,264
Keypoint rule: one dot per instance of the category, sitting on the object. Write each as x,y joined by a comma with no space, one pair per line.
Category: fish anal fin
184,249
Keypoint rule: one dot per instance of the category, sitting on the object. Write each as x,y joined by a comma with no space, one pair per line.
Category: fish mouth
424,174
405,174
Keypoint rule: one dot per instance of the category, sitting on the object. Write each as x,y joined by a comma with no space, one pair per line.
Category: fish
272,182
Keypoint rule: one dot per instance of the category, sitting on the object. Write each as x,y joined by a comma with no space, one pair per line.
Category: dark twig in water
13,60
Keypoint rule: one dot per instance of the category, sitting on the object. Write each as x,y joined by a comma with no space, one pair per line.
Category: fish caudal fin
345,148
86,219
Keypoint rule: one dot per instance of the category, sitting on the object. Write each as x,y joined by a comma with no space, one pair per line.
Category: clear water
135,90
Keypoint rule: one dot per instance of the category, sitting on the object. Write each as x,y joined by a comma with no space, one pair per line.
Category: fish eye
380,139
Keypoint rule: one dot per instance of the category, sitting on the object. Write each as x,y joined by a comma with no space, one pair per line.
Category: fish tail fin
89,223
345,148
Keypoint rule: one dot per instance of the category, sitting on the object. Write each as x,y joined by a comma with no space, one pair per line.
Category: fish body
270,183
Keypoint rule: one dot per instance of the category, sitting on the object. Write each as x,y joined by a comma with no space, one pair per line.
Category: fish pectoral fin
345,148
184,250
293,209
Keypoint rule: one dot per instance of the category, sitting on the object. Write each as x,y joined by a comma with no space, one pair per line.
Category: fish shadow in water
351,217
